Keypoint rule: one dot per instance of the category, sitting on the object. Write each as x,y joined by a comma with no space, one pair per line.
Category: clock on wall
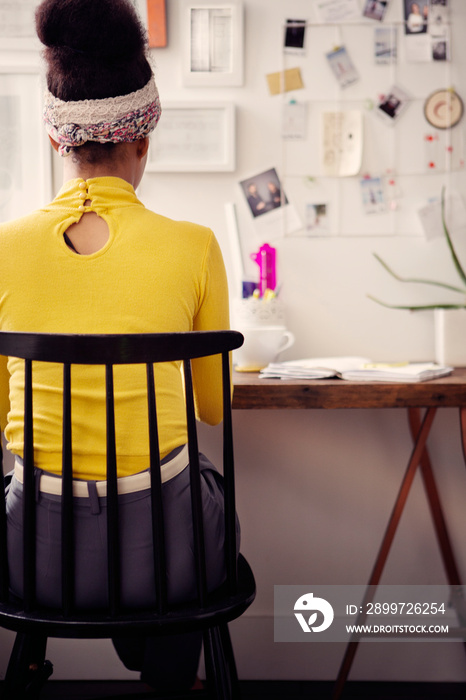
443,109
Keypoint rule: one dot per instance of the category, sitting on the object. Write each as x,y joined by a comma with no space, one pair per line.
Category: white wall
315,488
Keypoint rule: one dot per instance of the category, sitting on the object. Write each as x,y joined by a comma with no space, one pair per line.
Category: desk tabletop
253,393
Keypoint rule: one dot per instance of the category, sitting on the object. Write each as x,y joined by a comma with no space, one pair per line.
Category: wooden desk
253,393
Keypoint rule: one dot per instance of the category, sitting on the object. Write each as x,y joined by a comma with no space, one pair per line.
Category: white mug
261,346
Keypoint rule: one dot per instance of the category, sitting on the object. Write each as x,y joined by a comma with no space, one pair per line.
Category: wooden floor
270,690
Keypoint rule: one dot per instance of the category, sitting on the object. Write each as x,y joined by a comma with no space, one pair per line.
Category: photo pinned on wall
268,204
295,36
416,16
342,66
427,32
430,216
317,220
373,196
294,121
335,11
385,45
263,192
375,9
342,142
392,105
439,30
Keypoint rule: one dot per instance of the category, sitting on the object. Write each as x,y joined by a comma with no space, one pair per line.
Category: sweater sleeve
213,314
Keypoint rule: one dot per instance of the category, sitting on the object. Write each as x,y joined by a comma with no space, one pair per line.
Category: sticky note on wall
284,81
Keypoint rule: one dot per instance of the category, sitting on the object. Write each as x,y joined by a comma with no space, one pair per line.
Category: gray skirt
135,537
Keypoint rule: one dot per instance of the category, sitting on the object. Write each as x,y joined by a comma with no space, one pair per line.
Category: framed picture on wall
25,151
213,42
194,137
153,14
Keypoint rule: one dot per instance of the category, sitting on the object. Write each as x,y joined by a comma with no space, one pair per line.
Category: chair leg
230,660
221,676
27,669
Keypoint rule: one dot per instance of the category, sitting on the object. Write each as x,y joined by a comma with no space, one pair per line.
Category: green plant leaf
456,261
420,307
417,280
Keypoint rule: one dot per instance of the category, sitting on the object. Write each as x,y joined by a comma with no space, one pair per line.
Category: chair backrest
110,350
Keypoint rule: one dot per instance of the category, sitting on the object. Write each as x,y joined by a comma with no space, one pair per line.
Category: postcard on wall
342,141
385,45
373,197
392,105
317,223
285,81
375,9
342,66
431,216
335,11
295,36
294,120
268,204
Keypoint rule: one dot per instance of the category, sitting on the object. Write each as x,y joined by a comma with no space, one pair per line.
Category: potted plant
450,318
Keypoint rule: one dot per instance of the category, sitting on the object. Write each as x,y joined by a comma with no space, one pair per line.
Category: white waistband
126,484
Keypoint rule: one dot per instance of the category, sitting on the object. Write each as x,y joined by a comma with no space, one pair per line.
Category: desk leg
435,506
387,541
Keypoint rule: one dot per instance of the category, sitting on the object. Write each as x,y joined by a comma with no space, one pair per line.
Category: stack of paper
355,369
313,368
411,372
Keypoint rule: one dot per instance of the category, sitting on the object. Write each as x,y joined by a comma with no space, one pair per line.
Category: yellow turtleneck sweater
153,275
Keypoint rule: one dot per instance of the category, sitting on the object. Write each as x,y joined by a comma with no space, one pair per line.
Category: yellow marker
269,294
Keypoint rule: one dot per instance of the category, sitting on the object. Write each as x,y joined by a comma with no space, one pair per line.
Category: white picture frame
213,42
194,137
25,151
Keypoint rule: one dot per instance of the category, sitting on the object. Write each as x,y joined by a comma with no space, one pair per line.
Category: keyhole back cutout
88,235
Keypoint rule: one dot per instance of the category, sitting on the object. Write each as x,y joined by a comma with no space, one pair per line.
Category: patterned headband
109,120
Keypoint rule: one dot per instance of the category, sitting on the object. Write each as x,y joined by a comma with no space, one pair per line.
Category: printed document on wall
342,139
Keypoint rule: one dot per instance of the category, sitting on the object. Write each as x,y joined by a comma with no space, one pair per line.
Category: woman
416,21
96,261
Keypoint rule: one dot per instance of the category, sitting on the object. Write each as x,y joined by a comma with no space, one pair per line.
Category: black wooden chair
210,612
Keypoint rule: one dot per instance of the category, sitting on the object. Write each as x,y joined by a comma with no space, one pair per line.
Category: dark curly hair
93,49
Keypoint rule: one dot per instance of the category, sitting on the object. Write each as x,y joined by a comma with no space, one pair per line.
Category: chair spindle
29,496
158,530
196,497
229,477
113,564
67,516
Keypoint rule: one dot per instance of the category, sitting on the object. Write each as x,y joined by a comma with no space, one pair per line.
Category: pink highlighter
266,259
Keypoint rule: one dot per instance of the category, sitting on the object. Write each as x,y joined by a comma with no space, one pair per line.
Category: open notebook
355,369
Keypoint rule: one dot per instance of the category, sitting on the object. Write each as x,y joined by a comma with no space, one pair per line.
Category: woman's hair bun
101,28
94,48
